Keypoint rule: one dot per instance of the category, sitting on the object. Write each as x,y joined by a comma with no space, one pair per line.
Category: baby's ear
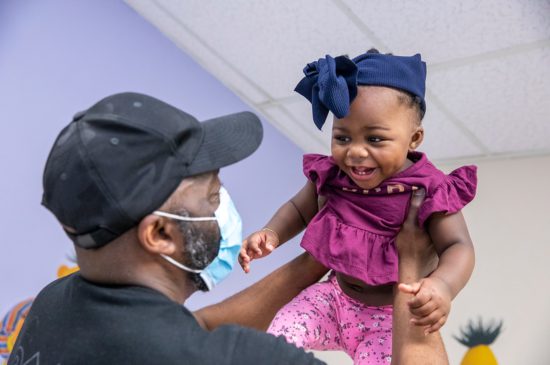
416,138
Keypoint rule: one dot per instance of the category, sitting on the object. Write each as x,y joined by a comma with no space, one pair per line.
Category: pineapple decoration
478,338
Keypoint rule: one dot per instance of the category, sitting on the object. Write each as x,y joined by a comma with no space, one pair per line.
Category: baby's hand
430,304
258,244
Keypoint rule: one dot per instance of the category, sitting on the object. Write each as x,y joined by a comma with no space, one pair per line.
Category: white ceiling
488,61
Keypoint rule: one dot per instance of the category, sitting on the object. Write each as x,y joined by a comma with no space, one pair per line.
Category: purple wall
60,56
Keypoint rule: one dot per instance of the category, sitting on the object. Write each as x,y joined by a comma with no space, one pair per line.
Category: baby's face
371,143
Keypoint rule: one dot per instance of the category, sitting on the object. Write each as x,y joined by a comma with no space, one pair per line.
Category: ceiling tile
488,61
504,102
298,132
202,53
270,41
444,30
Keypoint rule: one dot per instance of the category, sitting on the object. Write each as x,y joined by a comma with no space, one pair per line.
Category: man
134,183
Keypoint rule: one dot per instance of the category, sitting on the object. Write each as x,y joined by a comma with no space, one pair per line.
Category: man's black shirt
74,321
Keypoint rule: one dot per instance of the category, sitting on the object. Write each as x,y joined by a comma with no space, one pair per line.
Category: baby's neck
408,163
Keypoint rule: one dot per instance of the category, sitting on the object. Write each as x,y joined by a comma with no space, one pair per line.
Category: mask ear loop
186,219
180,265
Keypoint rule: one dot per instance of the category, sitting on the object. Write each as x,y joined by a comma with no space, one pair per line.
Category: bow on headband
330,84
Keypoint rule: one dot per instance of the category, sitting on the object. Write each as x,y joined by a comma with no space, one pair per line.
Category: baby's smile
363,176
362,172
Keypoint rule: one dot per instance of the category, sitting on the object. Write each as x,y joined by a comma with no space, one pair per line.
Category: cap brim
227,139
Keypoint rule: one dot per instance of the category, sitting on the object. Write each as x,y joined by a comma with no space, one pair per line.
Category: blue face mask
230,225
231,230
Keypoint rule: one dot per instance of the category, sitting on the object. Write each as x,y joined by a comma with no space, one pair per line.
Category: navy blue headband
331,83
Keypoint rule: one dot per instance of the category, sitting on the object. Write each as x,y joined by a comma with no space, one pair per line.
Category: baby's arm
289,220
432,300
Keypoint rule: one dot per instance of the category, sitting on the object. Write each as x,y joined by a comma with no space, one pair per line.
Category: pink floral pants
322,317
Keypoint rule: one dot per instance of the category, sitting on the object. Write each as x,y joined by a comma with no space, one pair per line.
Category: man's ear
157,235
416,138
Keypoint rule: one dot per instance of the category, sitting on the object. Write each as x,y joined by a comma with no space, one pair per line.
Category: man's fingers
416,201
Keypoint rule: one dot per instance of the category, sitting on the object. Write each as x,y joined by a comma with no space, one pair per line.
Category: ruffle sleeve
457,190
319,169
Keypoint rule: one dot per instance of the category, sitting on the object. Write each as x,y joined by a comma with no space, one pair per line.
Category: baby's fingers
420,299
243,253
437,326
429,320
424,310
258,243
243,256
254,247
409,288
267,247
244,260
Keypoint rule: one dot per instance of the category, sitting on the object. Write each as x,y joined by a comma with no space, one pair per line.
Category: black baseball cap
122,158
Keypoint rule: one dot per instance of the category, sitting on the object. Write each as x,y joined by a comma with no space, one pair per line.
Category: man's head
131,154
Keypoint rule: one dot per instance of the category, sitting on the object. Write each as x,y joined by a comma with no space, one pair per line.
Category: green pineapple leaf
480,334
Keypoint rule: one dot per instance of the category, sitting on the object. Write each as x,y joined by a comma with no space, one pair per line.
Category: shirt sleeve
255,347
454,193
319,169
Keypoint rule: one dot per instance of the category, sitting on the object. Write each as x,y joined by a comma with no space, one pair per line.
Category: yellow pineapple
477,339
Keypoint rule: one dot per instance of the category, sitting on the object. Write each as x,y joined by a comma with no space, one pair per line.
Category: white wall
509,223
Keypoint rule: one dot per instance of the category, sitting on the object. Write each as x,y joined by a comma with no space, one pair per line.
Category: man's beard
202,243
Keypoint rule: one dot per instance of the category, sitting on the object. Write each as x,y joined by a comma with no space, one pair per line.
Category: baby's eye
342,139
374,139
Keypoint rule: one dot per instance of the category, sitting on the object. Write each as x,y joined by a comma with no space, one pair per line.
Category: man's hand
417,259
258,244
430,304
414,245
431,301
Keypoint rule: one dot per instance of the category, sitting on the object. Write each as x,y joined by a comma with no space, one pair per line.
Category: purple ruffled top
354,233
